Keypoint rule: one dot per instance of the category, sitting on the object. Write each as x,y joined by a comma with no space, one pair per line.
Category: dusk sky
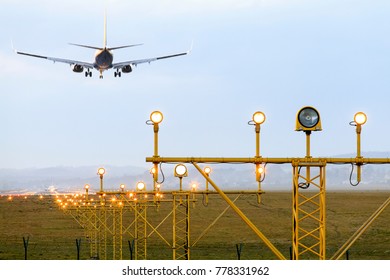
275,56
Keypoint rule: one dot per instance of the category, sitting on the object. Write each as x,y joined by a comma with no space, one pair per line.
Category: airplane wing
62,60
145,60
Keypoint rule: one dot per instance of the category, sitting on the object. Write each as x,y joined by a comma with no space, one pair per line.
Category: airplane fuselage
103,59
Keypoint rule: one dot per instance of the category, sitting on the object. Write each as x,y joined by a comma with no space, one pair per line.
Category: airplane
104,59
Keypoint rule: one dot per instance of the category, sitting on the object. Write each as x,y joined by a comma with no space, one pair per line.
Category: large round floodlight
141,186
101,171
360,118
86,186
180,171
308,119
156,117
258,117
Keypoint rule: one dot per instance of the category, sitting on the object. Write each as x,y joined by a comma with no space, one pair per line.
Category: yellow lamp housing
207,170
156,117
101,171
181,171
308,119
141,186
258,117
360,118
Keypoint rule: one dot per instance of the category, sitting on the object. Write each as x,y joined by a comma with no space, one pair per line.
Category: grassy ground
52,233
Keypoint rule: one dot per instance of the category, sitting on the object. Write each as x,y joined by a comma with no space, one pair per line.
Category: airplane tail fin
105,31
105,40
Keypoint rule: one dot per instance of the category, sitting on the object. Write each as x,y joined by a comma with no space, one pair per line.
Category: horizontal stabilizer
85,46
122,47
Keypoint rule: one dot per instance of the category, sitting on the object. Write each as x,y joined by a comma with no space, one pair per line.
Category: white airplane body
104,59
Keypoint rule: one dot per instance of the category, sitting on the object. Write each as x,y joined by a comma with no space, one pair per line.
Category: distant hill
227,176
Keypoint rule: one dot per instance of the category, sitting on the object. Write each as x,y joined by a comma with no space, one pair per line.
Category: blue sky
275,56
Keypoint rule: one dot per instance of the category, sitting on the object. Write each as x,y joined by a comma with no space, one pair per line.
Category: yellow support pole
242,215
358,153
360,231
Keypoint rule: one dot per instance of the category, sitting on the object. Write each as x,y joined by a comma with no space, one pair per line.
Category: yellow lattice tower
181,225
117,228
140,220
308,213
140,231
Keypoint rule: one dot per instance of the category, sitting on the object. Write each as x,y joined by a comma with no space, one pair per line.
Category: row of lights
180,171
308,119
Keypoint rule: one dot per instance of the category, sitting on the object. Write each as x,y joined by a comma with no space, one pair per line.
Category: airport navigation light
308,119
181,171
141,186
156,117
86,187
207,170
261,170
122,186
360,118
101,172
258,117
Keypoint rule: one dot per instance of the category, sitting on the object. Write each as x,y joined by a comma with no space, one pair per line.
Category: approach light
122,186
141,186
207,170
101,171
156,117
258,117
181,171
86,186
261,169
360,118
308,119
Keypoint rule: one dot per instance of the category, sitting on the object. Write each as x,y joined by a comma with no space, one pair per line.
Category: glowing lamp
141,186
156,117
258,117
207,170
101,171
360,118
261,169
181,171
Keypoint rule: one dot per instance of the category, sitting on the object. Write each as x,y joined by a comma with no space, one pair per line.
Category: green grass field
52,233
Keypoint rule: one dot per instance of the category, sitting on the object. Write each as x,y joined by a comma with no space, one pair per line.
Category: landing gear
88,73
101,74
117,73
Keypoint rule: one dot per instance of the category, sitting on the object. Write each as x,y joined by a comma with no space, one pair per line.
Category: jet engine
77,68
127,69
